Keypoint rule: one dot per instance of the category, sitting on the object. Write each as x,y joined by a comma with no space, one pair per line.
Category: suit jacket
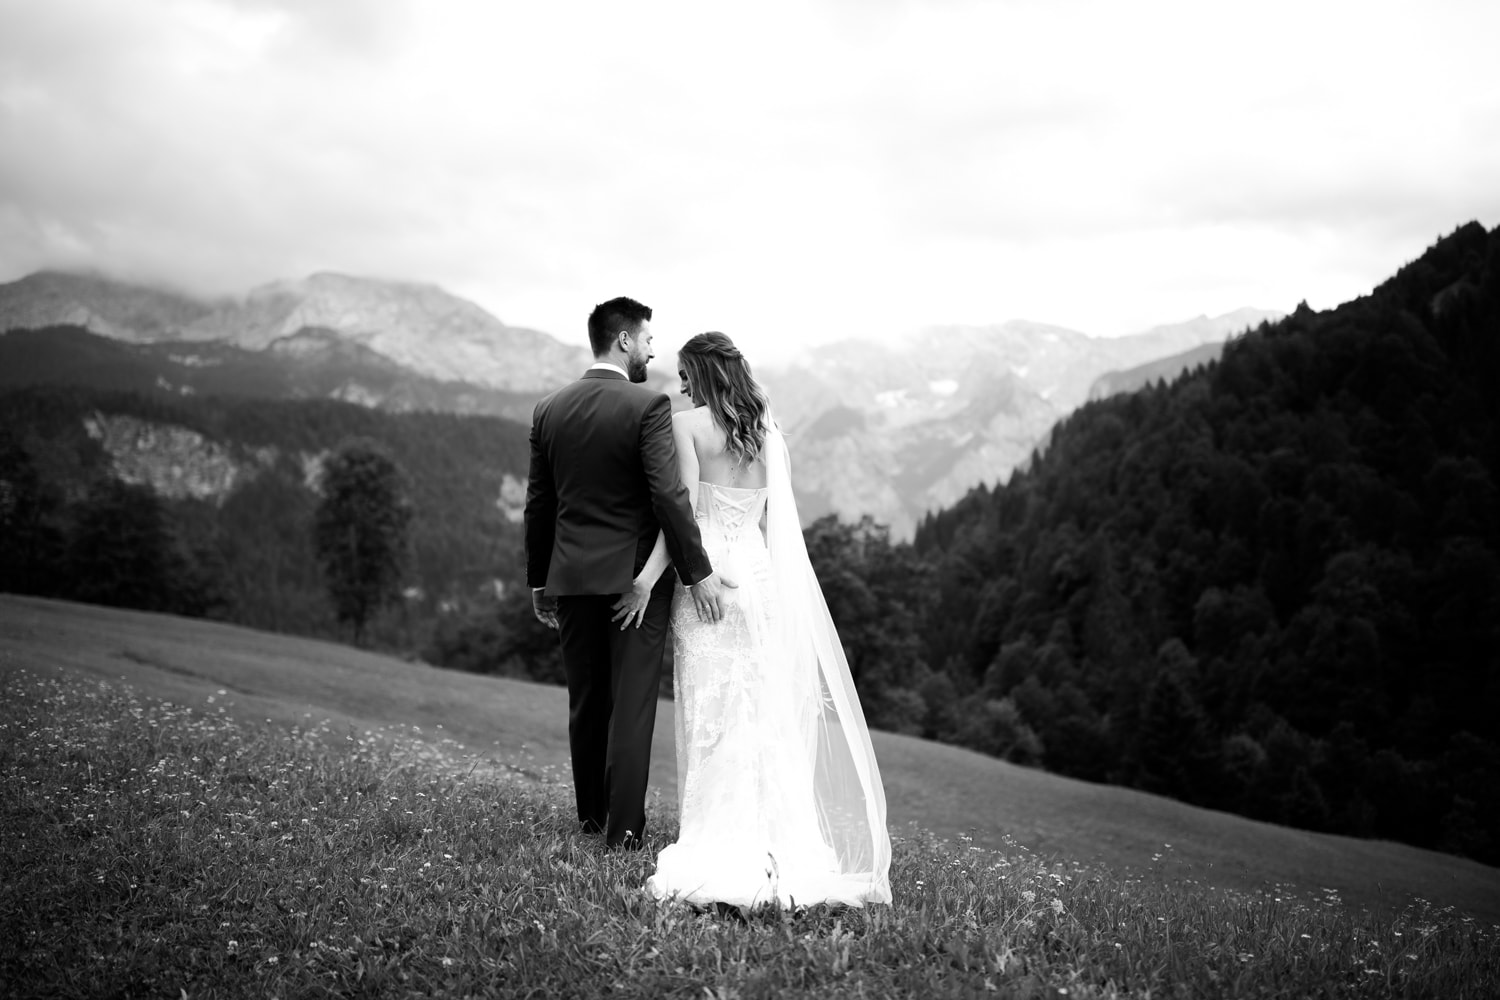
603,480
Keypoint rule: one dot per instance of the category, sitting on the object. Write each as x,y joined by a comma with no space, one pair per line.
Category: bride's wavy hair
719,378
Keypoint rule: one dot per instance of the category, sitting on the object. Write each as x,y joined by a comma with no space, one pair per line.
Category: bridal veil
850,800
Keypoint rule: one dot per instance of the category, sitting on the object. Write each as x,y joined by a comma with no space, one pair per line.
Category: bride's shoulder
693,420
688,425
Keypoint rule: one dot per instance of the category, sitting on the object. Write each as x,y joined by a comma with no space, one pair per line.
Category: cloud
794,172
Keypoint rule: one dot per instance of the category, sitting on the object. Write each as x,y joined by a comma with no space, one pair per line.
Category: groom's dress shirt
603,481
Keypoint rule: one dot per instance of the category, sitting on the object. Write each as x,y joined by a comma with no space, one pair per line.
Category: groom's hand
544,607
708,594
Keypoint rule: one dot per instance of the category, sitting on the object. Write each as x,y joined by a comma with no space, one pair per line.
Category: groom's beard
636,369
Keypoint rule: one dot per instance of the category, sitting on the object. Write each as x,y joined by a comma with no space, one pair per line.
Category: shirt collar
607,366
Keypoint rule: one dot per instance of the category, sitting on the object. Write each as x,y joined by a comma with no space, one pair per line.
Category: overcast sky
791,173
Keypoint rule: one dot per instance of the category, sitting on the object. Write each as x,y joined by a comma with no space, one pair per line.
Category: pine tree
360,531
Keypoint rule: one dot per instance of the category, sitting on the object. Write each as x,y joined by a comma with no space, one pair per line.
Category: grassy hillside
520,728
157,848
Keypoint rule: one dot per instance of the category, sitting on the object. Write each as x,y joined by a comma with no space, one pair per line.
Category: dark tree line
251,551
116,544
1272,587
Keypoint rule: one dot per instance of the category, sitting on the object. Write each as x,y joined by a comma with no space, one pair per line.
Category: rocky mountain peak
894,430
417,326
103,305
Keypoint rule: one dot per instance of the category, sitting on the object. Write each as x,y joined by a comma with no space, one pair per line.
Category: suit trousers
614,679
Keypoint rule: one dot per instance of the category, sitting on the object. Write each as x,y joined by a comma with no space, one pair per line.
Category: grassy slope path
952,792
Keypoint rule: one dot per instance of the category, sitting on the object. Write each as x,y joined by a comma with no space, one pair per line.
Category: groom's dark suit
603,480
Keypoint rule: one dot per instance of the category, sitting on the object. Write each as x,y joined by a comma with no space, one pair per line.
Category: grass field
305,819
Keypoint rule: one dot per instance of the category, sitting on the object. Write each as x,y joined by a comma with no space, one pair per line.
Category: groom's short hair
609,318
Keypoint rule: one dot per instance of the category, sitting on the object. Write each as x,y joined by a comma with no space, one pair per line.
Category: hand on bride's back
708,593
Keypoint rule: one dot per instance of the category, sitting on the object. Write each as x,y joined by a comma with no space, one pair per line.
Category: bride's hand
632,604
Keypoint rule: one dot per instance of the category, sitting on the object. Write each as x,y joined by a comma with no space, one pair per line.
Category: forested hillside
218,520
1271,587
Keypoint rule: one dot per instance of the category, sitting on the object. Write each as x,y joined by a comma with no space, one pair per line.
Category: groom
604,480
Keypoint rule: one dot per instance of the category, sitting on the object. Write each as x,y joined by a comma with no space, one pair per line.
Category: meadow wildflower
169,817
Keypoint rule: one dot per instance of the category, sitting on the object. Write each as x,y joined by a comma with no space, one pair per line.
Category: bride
778,792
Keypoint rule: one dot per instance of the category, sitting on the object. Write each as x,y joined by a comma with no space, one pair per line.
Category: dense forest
246,555
1270,587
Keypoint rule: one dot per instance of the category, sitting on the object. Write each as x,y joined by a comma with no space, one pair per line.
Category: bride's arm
687,454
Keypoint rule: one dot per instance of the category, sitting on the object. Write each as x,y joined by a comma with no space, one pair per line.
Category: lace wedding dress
779,795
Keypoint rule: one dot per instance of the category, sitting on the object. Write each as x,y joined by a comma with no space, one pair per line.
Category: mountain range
895,431
419,327
885,430
313,363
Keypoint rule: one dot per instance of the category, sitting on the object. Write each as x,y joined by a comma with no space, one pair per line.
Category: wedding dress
778,792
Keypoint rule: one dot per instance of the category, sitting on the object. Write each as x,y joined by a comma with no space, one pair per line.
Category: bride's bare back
712,462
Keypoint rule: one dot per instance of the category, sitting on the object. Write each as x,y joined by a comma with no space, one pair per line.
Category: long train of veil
846,780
